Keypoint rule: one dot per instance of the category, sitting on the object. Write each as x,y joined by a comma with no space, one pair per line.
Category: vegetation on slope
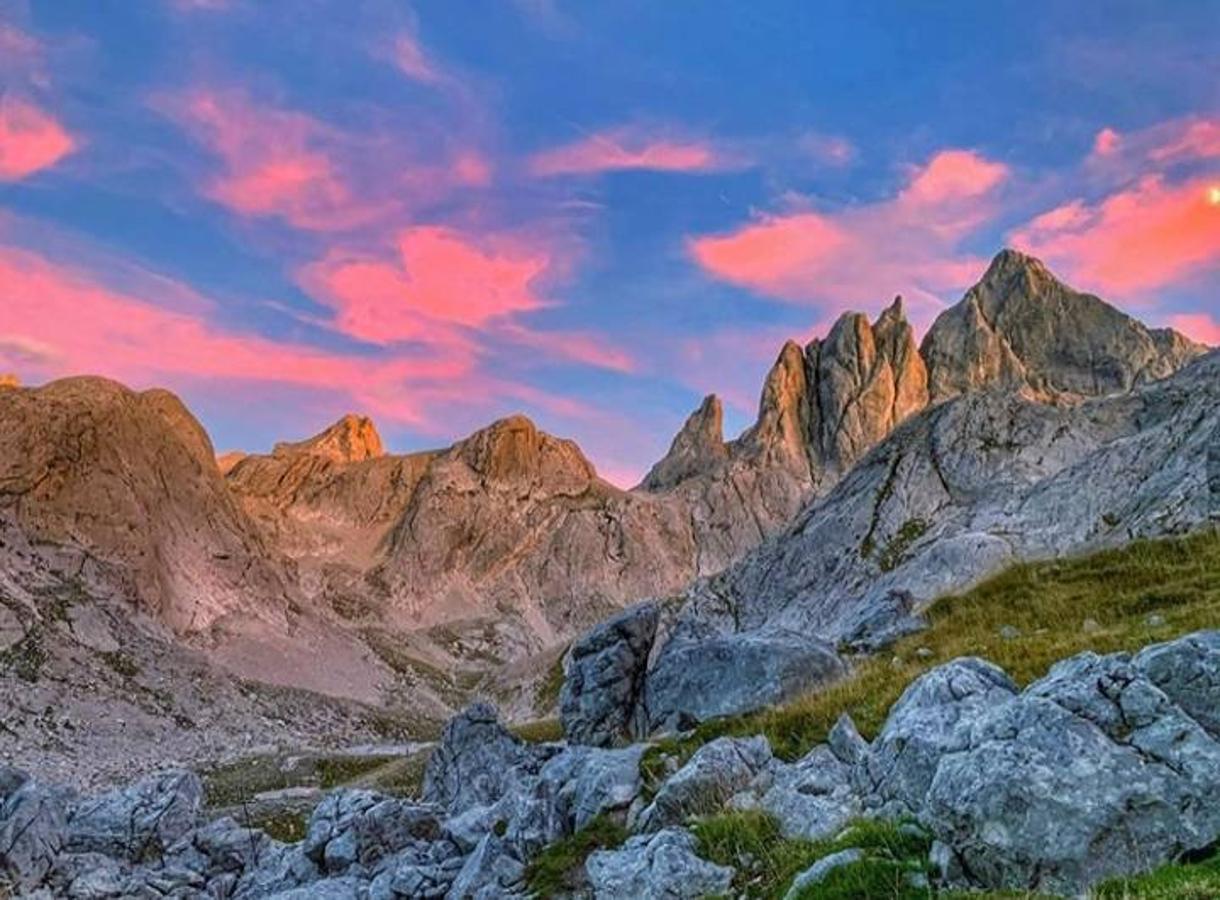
1024,619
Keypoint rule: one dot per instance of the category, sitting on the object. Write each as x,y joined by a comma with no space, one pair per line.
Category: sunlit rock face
131,477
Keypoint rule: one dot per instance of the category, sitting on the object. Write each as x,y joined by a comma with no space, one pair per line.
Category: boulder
32,822
491,872
476,760
705,784
812,798
605,674
933,717
693,681
664,864
360,828
1093,772
138,821
876,626
1188,671
820,870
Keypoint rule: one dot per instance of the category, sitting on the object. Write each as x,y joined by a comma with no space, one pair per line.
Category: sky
443,212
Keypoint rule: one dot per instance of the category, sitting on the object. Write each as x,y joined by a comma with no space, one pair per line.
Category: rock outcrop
1021,328
130,478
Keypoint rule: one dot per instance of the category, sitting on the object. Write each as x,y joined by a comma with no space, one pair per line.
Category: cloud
30,139
78,325
1200,327
1151,224
624,149
276,162
572,346
412,61
440,277
861,255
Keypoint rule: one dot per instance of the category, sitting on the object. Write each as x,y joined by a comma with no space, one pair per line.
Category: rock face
1022,328
131,478
605,675
698,447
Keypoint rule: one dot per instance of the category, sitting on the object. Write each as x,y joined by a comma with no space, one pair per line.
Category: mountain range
408,583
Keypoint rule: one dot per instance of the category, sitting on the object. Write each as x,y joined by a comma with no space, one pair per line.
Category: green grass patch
547,696
766,862
541,731
1147,591
1178,881
559,870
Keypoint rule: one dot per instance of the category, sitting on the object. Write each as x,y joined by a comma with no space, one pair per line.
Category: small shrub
560,868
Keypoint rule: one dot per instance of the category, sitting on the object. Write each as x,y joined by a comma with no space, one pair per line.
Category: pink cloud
1106,142
79,325
441,277
1144,236
1197,139
861,256
572,346
412,61
276,162
30,139
1200,327
624,149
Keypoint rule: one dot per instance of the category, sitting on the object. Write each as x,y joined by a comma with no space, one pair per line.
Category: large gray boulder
32,825
650,866
138,821
933,717
1093,772
358,828
476,760
1188,671
812,798
709,779
605,674
696,680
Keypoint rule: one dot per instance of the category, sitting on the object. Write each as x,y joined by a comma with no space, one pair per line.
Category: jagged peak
9,380
1009,262
353,438
696,448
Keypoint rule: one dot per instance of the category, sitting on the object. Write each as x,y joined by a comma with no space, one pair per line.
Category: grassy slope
1115,600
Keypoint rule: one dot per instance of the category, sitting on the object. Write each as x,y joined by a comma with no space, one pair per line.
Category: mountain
408,581
131,478
1021,328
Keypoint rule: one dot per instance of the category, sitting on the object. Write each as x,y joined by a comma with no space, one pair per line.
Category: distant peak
895,312
352,439
8,380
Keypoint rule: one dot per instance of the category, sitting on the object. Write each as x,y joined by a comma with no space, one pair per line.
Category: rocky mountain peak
9,380
864,379
696,448
352,439
514,449
1022,328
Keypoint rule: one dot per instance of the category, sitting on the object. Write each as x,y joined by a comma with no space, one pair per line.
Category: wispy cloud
857,256
629,148
30,139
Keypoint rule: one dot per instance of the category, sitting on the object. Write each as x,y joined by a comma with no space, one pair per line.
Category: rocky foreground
1109,765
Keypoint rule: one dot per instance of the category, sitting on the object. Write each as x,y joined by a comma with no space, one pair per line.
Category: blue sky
443,212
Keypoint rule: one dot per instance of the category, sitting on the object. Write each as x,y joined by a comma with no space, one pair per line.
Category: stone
648,866
715,773
882,624
360,828
1188,672
1091,773
138,821
491,872
812,798
217,848
820,870
696,449
475,760
32,821
693,681
605,675
932,718
846,743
